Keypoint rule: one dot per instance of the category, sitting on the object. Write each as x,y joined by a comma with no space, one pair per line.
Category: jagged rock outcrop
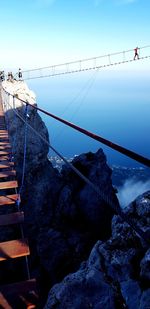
117,273
64,217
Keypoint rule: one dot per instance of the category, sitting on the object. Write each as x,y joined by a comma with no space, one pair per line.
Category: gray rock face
119,266
72,230
64,217
88,288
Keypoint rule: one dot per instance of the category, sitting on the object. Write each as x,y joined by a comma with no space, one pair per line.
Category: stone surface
63,215
121,262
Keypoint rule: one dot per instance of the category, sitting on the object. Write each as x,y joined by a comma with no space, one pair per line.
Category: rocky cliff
117,272
84,254
63,216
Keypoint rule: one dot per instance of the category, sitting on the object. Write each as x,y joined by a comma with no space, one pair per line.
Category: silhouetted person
20,74
136,55
2,76
10,76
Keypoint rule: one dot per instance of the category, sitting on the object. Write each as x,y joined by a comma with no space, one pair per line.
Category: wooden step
5,153
13,218
12,293
4,158
8,184
5,144
13,249
4,138
3,135
3,131
7,174
6,164
5,147
9,199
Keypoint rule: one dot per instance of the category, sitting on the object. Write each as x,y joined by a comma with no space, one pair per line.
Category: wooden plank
5,153
3,148
13,249
11,293
4,303
7,174
13,218
9,199
4,158
8,184
3,131
6,164
5,144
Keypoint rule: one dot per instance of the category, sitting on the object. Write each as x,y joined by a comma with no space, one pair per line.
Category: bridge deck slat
9,199
3,153
5,147
13,249
4,158
5,144
11,293
8,184
6,164
7,174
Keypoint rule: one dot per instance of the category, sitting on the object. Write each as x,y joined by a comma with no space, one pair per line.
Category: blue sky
44,32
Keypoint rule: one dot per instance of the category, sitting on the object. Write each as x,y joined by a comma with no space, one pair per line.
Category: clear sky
43,32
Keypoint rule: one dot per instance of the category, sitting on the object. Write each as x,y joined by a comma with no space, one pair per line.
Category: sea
113,104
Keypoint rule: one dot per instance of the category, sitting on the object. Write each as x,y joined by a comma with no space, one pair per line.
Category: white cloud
130,190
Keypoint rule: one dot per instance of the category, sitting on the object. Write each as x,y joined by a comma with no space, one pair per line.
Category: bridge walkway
14,247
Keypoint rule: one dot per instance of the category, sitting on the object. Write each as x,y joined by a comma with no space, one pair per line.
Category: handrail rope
25,150
85,69
86,59
116,207
129,153
13,145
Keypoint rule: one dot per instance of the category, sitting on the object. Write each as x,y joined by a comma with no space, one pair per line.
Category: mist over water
112,104
130,190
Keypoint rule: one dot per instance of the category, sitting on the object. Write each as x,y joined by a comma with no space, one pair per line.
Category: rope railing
131,154
115,206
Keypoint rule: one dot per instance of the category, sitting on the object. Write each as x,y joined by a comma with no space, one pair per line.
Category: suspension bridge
23,294
93,63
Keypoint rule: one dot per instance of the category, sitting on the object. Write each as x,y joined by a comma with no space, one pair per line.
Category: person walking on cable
136,55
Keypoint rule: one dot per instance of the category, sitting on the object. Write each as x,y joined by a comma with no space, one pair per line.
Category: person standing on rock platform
2,76
10,77
20,74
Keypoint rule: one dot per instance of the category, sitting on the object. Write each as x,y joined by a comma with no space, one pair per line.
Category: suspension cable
129,153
